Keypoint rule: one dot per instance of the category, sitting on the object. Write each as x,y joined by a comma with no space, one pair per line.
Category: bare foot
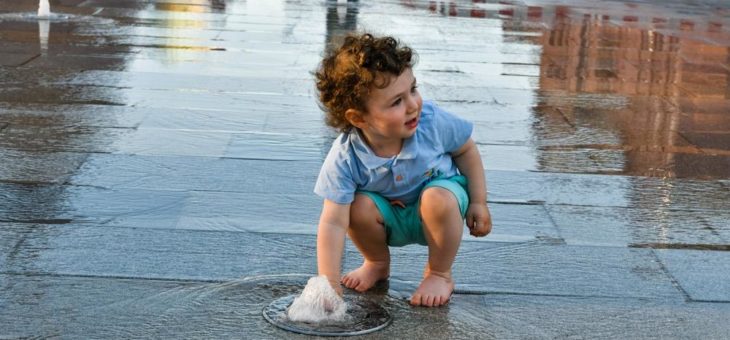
366,276
435,290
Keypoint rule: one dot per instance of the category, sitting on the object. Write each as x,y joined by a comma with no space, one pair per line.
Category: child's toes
416,299
350,282
425,301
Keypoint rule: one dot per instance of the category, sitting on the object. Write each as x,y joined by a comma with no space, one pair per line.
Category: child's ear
355,118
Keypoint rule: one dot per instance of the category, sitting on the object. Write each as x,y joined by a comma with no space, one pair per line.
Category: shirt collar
371,160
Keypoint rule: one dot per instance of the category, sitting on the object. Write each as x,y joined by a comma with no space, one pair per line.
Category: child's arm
469,162
331,232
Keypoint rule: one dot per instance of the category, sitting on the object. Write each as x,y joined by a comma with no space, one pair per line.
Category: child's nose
411,103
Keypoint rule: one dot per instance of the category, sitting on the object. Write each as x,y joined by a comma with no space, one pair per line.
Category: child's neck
385,148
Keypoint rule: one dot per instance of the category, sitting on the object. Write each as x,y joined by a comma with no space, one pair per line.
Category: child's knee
438,200
363,210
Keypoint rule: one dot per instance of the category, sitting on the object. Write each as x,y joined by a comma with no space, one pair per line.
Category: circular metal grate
363,316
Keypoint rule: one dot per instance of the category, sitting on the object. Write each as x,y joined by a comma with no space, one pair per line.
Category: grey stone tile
55,138
106,307
608,190
279,146
58,114
546,268
519,223
38,167
197,173
173,142
204,120
717,222
61,204
553,188
299,214
159,253
701,274
547,317
507,157
303,123
232,102
259,212
615,226
15,59
127,307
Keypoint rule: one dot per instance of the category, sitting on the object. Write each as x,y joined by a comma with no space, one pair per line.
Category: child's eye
397,101
413,89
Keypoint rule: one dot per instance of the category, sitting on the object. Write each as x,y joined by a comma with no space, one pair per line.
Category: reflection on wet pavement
157,162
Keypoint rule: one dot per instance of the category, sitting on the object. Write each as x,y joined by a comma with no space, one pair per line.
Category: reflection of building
341,20
664,97
181,20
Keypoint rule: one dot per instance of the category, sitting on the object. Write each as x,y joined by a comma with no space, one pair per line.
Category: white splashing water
318,303
44,9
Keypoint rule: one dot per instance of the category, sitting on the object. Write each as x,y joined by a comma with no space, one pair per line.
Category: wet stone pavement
157,160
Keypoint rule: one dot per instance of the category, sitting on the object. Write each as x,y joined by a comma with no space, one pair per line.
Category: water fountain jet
44,9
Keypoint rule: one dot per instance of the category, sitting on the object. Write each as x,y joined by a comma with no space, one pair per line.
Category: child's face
393,111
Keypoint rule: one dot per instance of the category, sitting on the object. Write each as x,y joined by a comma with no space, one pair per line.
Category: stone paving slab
214,210
193,173
283,147
702,274
520,222
103,116
144,208
172,142
96,307
607,190
158,254
156,80
537,268
543,268
15,59
38,167
551,188
50,138
298,214
545,317
266,212
621,227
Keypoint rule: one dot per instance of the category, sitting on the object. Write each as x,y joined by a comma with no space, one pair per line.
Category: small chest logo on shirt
432,173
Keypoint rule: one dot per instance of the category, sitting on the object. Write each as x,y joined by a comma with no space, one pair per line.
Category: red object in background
714,27
478,13
686,25
534,12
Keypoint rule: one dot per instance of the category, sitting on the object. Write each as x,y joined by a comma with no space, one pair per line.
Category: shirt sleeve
453,131
335,181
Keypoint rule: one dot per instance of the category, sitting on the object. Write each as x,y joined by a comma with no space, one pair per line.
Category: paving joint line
671,277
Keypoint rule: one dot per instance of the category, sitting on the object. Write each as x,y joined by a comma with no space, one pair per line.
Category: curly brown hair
347,73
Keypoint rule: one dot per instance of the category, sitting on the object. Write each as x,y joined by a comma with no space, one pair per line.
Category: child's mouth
411,124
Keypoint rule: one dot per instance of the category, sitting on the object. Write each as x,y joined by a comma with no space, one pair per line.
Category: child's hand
478,219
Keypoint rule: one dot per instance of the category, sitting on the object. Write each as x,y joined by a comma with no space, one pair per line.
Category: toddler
402,171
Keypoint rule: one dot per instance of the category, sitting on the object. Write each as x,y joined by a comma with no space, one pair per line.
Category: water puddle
363,316
225,306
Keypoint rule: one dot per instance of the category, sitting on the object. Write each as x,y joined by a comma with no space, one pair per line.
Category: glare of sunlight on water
272,10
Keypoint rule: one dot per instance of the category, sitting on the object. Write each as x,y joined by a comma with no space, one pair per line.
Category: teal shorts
403,225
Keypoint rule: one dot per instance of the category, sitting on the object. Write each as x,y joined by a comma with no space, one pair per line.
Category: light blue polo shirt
351,165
